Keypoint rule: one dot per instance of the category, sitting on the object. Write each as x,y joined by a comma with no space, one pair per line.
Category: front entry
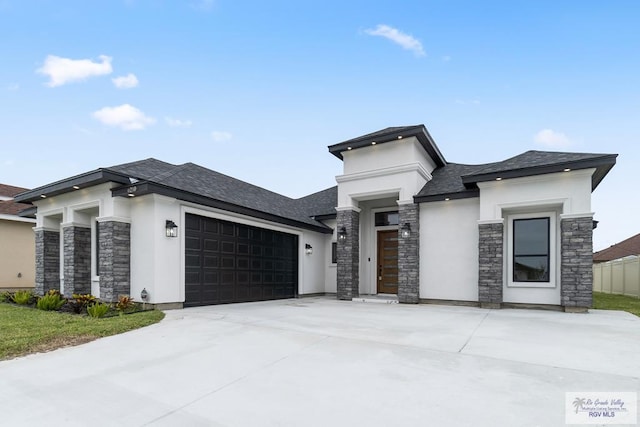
387,262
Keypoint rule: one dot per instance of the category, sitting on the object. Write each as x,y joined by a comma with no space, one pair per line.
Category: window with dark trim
387,218
334,252
531,250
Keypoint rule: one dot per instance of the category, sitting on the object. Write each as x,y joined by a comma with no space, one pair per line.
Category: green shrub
80,302
50,301
6,297
98,309
22,297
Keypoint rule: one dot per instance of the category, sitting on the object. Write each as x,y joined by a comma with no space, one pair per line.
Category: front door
387,262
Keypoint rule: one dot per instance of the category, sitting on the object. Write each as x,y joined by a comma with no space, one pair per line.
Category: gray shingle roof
322,203
198,180
460,181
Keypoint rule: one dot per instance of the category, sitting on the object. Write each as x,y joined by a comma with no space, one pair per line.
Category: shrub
125,302
80,302
6,297
22,297
50,301
98,309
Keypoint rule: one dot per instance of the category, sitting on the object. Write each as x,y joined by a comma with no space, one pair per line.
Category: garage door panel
228,262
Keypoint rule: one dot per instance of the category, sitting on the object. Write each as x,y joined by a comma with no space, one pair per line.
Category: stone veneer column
576,265
409,254
47,261
76,242
490,264
348,255
114,239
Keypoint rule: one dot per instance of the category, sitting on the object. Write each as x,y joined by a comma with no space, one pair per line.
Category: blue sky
257,90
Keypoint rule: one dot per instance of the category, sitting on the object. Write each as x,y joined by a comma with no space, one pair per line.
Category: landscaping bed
30,324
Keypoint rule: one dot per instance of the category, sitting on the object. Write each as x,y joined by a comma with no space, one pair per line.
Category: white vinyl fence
620,276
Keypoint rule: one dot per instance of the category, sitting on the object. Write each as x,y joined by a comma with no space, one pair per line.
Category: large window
531,251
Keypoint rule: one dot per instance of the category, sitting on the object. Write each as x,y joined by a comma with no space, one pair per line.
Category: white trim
405,202
16,218
535,178
376,195
528,206
491,221
5,198
348,208
56,230
577,215
394,170
75,224
553,251
114,218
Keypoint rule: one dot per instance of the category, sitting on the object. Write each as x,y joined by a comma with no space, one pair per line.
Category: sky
259,89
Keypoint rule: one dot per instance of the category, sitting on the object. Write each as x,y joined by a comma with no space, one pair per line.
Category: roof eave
602,165
420,132
468,194
145,187
88,179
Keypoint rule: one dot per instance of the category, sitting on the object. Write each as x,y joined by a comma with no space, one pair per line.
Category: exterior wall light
405,231
172,229
342,234
144,295
308,249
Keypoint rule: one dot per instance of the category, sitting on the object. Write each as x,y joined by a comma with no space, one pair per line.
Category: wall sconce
172,229
308,249
342,234
405,231
144,294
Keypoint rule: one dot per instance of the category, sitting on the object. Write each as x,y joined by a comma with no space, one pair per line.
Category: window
334,252
387,218
531,251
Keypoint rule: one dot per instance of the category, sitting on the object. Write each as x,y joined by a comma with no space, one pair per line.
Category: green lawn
25,330
616,302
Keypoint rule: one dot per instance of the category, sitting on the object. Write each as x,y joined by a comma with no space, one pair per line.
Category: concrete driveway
322,362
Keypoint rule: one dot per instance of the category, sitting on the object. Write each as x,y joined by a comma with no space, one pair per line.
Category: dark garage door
228,262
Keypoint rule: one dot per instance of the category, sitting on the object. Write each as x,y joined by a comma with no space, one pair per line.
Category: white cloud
220,136
178,123
125,116
64,70
125,82
403,40
205,5
468,102
552,139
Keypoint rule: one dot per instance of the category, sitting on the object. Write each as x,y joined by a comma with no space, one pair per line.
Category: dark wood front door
387,273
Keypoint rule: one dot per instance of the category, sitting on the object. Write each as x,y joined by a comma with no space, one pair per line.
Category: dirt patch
60,342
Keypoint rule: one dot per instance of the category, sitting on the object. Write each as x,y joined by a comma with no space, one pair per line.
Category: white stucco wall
553,195
449,250
398,169
157,261
571,190
331,269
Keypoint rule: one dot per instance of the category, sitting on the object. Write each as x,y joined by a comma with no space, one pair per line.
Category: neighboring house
628,247
402,220
17,242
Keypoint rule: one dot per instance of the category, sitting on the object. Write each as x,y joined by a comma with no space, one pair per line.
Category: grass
616,302
24,330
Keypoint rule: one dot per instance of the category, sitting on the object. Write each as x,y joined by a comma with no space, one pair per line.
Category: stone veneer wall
47,261
348,255
76,242
576,268
409,255
490,264
114,259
